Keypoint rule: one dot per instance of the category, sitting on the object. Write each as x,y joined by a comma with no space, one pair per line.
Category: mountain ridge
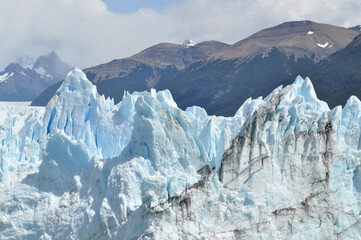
339,75
214,81
25,83
158,56
300,38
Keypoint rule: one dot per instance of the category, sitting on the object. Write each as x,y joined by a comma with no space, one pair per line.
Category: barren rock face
300,38
159,56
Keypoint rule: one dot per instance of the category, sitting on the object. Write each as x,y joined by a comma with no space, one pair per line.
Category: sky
131,6
86,33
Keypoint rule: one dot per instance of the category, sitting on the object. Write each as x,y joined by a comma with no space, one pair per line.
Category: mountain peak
24,80
356,28
13,67
296,23
189,43
299,38
50,54
51,66
52,57
25,62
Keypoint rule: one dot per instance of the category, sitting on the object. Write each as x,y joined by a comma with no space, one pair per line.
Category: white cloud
85,33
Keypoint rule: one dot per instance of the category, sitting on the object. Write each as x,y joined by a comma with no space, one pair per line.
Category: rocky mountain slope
220,77
301,39
284,167
51,66
221,85
25,80
159,56
19,84
339,76
256,65
356,28
141,71
148,68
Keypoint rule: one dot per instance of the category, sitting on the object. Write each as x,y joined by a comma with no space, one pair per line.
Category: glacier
284,167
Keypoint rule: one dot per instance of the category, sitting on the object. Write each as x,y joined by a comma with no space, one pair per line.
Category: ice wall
285,166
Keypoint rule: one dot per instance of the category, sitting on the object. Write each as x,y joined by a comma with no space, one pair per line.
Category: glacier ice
284,167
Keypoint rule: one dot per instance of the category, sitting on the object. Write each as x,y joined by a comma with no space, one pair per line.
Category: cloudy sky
89,32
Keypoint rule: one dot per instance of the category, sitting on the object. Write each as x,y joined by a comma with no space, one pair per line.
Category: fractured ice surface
284,167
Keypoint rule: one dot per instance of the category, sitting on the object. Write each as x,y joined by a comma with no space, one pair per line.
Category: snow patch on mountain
189,43
25,62
5,76
40,70
323,45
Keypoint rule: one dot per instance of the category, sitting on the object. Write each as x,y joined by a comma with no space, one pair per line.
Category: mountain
51,67
19,84
356,28
339,76
285,166
25,62
142,71
44,97
25,79
220,86
255,65
300,38
148,68
157,57
220,77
